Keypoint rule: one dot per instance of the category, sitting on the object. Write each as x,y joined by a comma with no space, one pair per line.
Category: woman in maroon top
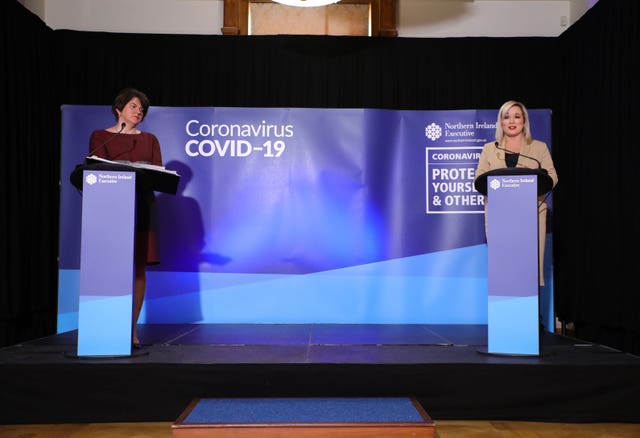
125,142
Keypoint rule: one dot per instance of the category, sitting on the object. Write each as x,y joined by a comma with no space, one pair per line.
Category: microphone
497,145
92,151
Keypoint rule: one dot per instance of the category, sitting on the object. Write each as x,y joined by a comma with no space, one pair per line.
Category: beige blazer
493,158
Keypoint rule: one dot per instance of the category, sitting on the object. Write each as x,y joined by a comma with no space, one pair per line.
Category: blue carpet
304,410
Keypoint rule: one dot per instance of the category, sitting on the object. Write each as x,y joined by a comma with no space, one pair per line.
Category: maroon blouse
143,147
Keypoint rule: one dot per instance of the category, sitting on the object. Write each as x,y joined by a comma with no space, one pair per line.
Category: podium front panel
512,237
105,318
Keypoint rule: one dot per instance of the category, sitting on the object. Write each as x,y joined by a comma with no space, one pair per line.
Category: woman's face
513,121
132,113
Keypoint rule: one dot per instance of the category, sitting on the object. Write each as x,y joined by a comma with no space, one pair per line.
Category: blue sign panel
106,265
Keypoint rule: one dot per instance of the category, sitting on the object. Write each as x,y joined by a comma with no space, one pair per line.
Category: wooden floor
444,429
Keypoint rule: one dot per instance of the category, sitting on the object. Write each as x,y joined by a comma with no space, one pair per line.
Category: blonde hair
526,131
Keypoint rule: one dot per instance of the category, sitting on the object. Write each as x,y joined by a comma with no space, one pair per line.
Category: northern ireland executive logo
433,131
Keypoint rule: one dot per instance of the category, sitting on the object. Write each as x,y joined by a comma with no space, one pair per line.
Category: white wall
132,16
415,18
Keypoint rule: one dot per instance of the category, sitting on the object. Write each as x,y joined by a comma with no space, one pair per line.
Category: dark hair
124,96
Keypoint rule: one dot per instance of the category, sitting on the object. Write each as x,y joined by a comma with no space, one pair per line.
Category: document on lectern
162,179
136,164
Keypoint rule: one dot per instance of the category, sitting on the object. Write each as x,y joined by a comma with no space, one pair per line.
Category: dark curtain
597,210
29,137
305,71
70,67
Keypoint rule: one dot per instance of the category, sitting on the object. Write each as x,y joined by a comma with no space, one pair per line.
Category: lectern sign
512,236
106,263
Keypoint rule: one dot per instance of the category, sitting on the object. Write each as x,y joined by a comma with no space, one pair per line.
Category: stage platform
442,366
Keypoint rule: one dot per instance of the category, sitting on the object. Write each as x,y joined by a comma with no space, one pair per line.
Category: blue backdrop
297,215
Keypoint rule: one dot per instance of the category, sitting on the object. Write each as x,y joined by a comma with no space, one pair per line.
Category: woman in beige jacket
514,147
